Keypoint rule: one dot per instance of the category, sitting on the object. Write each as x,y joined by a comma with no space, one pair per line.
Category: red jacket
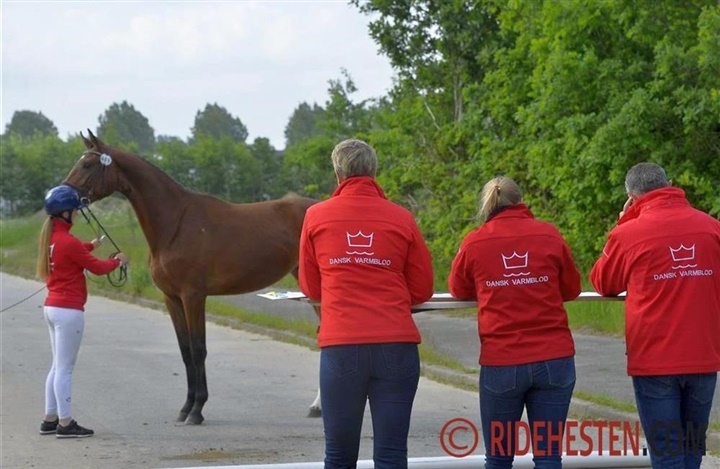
520,270
666,255
68,259
364,258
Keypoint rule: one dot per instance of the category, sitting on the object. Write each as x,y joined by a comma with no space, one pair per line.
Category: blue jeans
545,388
385,374
674,411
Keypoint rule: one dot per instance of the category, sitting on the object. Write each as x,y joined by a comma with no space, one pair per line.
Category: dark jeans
545,388
385,374
674,411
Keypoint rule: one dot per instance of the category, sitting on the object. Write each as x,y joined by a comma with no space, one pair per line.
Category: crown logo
359,240
682,253
516,261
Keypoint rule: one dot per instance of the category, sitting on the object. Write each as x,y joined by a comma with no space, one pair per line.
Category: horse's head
96,174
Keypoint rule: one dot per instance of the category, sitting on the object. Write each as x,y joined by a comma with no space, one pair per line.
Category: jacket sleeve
461,280
418,269
84,259
308,269
608,275
88,246
570,285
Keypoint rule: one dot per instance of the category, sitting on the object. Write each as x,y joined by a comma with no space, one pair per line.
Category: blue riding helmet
61,199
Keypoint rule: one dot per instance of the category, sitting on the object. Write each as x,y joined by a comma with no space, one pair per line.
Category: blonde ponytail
497,193
43,258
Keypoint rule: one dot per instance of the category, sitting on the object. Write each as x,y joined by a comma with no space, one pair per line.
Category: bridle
119,278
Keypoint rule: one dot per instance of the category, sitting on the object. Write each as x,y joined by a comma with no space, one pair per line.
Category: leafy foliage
303,124
124,126
216,122
28,123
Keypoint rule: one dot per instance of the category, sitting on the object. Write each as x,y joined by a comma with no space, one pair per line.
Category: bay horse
199,246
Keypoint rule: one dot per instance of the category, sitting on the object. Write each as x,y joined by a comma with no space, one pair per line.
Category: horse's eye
86,165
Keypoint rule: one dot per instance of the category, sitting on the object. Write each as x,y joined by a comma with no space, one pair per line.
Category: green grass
604,317
606,401
18,250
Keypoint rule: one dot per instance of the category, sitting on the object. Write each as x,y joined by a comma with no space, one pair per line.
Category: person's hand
97,241
627,205
122,258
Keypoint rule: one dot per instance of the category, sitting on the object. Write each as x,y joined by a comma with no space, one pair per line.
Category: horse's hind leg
177,314
315,408
194,305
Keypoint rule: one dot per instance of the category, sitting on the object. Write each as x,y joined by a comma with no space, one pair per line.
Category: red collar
653,199
359,186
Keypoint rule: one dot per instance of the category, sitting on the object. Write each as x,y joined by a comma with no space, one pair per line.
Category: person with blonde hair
62,259
364,259
520,271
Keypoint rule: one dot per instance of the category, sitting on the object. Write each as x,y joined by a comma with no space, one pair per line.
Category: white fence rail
591,461
438,300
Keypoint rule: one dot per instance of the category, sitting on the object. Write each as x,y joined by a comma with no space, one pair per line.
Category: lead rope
23,300
118,277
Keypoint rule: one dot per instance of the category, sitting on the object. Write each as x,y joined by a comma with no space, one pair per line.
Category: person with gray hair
364,259
666,255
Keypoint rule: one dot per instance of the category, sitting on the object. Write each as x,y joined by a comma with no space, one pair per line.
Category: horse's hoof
314,412
194,419
182,416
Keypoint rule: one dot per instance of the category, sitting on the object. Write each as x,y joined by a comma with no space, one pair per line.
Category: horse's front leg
177,314
194,305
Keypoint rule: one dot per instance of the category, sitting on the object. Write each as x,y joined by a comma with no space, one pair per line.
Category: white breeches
66,328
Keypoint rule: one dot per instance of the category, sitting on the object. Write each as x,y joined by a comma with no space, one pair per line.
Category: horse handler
364,259
62,258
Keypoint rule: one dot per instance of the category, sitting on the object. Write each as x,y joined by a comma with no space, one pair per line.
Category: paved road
600,361
129,384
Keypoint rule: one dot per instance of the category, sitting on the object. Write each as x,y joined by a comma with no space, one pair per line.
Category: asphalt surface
129,384
600,361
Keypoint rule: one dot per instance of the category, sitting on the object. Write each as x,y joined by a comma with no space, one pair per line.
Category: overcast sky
259,59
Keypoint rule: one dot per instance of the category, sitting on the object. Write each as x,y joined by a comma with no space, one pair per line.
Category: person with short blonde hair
520,271
352,158
364,259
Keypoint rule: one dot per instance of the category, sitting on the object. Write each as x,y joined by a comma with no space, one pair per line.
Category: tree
303,123
28,123
562,96
307,168
31,166
122,125
270,162
175,157
306,164
342,117
216,122
225,168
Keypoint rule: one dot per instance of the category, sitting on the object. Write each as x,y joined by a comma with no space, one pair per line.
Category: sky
71,60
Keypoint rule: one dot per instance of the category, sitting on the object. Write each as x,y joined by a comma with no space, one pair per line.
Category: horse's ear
96,143
88,143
